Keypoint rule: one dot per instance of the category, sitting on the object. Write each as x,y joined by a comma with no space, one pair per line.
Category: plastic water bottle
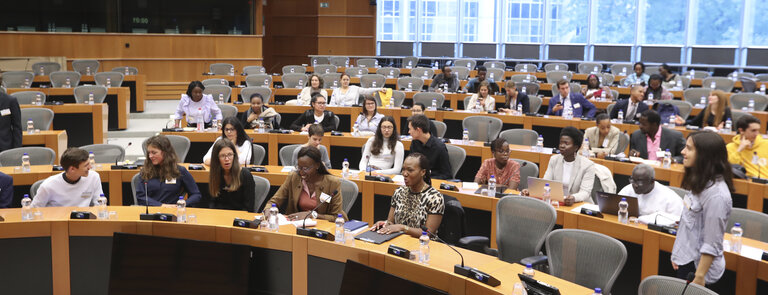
410,87
523,90
26,83
679,84
373,83
762,88
232,71
127,71
92,159
392,103
528,271
650,96
492,186
301,84
356,129
345,168
712,85
624,71
181,210
703,101
223,81
755,158
735,76
25,166
568,113
436,66
266,82
603,96
667,161
391,74
339,229
620,117
88,71
410,64
519,108
424,248
261,125
557,67
465,136
547,196
199,120
30,126
728,126
109,82
585,148
751,105
736,233
221,98
540,144
38,99
42,71
623,211
273,223
672,122
26,208
101,203
598,291
90,98
434,104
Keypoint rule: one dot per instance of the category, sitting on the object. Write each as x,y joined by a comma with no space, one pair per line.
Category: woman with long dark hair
194,102
164,178
595,90
308,92
384,152
348,95
315,115
231,187
369,118
233,130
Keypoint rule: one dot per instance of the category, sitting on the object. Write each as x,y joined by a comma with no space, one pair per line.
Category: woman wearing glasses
505,170
233,130
315,115
698,247
383,153
368,120
315,135
304,188
231,186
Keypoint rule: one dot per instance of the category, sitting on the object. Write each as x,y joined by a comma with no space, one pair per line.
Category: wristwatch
407,228
314,215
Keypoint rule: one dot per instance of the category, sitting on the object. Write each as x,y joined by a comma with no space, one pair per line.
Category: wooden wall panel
347,27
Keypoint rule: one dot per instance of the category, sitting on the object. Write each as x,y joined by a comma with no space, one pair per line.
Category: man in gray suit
658,138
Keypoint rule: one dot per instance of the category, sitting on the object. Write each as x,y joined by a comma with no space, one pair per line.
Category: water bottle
356,129
672,122
30,126
436,66
620,117
650,96
703,101
92,159
345,168
392,103
181,210
751,105
391,73
434,104
679,83
596,70
373,83
624,71
38,99
598,291
528,271
547,196
127,71
346,63
540,144
273,223
301,84
266,82
603,96
42,71
376,63
314,62
410,87
762,88
491,76
221,98
585,148
426,75
88,71
26,208
232,71
339,229
25,166
523,90
735,76
68,83
90,98
109,82
492,186
557,67
261,125
465,136
519,108
199,120
712,85
424,248
728,126
623,211
101,203
410,64
667,161
755,159
567,114
26,83
223,81
736,233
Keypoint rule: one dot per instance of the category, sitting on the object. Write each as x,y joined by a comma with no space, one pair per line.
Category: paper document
470,185
659,218
287,169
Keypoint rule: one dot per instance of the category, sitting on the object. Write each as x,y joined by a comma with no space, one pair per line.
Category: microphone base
158,217
315,233
663,228
476,275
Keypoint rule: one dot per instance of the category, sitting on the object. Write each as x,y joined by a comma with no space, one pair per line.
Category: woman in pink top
505,170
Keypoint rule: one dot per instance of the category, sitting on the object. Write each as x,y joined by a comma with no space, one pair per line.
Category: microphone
156,216
313,232
688,279
323,199
466,271
488,138
146,197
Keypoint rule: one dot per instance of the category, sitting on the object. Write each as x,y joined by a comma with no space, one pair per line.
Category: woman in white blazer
348,95
482,100
603,138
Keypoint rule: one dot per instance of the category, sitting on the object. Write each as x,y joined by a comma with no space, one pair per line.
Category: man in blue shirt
566,99
474,83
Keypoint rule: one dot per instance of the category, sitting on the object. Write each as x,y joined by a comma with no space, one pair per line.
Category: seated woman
666,73
656,91
513,98
348,95
638,76
302,189
415,204
233,131
193,103
505,170
163,177
714,115
384,152
315,115
307,93
315,134
482,100
231,186
368,120
570,168
603,138
594,91
259,110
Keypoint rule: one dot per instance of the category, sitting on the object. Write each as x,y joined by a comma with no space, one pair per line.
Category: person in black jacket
10,122
636,97
316,115
430,146
512,98
231,186
6,190
714,115
418,109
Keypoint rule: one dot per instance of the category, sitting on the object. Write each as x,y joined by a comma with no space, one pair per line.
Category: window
478,21
438,20
568,21
616,21
664,22
759,29
397,20
718,22
523,20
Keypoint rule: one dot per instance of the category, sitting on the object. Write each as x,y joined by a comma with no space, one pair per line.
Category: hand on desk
569,200
384,227
634,153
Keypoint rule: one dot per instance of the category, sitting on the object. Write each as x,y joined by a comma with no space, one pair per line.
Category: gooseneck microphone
466,271
313,232
155,216
426,230
323,200
146,197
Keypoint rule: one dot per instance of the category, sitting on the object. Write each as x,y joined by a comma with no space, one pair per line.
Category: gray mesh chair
608,78
410,62
216,90
535,103
423,73
469,63
221,68
356,72
135,182
755,224
556,66
18,79
481,127
340,61
389,72
495,74
286,154
650,70
416,83
679,191
320,60
34,188
253,70
115,79
261,190
325,69
621,69
59,79
456,156
526,67
461,72
373,81
495,65
294,69
721,83
215,81
179,143
590,68
575,87
349,192
45,68
295,80
748,85
527,169
126,70
694,95
531,89
697,74
41,117
735,116
599,258
336,121
741,100
245,93
465,102
520,136
609,108
554,76
259,152
684,107
37,156
397,96
82,93
86,66
228,110
331,80
741,75
427,97
28,97
684,80
762,77
441,128
623,143
528,78
661,285
367,62
106,153
263,80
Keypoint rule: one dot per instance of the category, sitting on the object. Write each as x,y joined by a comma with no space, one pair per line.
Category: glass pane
718,22
760,27
479,21
664,22
438,18
521,16
616,21
398,20
568,21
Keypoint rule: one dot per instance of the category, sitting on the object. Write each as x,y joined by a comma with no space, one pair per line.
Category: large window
758,34
478,21
523,20
614,19
718,22
397,20
438,20
664,23
568,21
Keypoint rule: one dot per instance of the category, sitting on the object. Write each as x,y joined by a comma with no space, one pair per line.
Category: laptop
536,287
557,189
609,203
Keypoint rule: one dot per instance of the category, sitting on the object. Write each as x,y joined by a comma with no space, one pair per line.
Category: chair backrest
525,222
590,68
294,69
740,101
441,128
685,81
215,81
531,89
661,285
456,156
609,108
527,169
608,79
260,192
422,73
325,69
496,74
495,65
126,70
294,80
266,93
41,117
481,127
336,121
221,68
59,79
253,70
115,79
216,90
762,77
340,61
106,153
320,60
520,136
368,80
527,78
82,93
286,154
461,72
135,182
465,103
37,156
179,143
356,71
556,66
526,67
623,143
621,69
694,95
469,63
684,107
18,79
650,70
575,87
397,96
721,83
34,188
697,74
754,223
410,62
262,80
679,191
748,84
416,83
367,62
45,68
86,66
28,97
535,103
257,156
599,258
427,97
331,80
349,192
554,76
454,223
389,72
735,116
228,110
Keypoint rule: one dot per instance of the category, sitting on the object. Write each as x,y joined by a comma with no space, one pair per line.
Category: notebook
376,238
609,204
354,225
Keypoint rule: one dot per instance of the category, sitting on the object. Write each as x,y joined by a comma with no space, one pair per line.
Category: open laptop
609,204
557,189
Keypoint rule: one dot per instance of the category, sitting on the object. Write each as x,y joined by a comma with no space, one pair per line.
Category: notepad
354,225
376,238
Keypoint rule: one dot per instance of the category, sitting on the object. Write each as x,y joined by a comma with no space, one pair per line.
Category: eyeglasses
387,127
229,129
320,102
227,156
305,169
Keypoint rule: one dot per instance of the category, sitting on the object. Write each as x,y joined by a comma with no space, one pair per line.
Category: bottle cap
181,197
339,215
623,199
528,265
546,184
737,224
26,154
345,159
423,233
274,205
101,195
598,290
26,195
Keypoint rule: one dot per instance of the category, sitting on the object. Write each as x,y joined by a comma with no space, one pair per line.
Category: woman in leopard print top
415,204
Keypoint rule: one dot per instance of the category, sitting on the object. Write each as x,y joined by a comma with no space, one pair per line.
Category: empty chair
554,76
741,75
423,73
535,103
754,223
608,79
441,128
735,116
223,91
415,83
325,69
319,60
349,192
590,68
135,182
762,77
34,188
263,80
495,65
694,95
398,96
531,89
650,70
527,169
465,103
372,80
721,83
331,80
609,108
526,67
684,107
246,93
18,79
41,118
623,144
495,74
126,70
60,79
253,70
295,80
180,144
82,93
228,110
427,97
85,66
469,63
367,62
680,192
215,81
598,258
555,67
28,97
575,87
257,157
685,81
339,61
739,101
294,69
410,62
456,156
622,69
261,189
37,156
748,84
221,69
389,72
356,72
697,74
336,121
461,72
45,68
109,79
482,128
286,154
105,153
520,136
661,285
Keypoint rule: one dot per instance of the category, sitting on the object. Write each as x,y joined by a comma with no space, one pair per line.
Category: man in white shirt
77,186
652,197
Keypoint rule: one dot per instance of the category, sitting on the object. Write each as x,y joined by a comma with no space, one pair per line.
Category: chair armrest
474,243
534,260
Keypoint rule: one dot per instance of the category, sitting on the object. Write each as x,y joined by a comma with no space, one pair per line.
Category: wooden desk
136,83
80,131
53,139
120,109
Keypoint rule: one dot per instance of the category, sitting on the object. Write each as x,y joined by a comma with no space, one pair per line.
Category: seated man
748,144
652,197
430,146
652,138
418,109
633,106
445,81
565,99
6,190
474,83
77,186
